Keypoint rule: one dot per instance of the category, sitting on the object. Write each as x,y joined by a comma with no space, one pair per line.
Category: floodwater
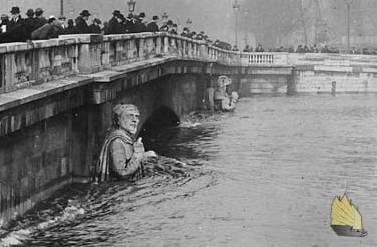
264,175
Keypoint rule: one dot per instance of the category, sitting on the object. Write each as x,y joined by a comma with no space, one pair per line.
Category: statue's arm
125,161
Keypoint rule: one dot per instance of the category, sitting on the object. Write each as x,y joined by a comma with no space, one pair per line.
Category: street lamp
61,8
236,10
348,3
246,14
164,18
131,6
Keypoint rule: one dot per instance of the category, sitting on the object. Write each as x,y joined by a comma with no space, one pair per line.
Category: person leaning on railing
82,22
52,29
153,25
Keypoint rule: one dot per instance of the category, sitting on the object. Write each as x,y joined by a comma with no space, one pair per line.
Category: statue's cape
103,165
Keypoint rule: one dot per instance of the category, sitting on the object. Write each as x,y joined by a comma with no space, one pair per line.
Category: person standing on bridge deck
16,31
259,48
174,29
70,29
116,25
82,22
121,156
140,25
130,23
153,26
29,22
95,26
52,29
63,22
39,19
185,32
112,22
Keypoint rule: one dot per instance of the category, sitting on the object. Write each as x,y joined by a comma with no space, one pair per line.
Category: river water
264,175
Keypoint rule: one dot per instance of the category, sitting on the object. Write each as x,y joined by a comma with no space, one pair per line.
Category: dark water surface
263,176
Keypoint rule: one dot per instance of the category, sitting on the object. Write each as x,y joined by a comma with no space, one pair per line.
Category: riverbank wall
315,73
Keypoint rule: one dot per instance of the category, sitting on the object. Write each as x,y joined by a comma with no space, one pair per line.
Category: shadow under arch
160,119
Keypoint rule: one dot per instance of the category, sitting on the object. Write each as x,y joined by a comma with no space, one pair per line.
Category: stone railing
25,64
263,58
22,64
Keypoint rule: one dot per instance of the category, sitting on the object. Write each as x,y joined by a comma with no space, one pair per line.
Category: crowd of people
310,49
35,26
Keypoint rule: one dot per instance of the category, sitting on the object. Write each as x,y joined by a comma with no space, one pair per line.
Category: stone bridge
56,96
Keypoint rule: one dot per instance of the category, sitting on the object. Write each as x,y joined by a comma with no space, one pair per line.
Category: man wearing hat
112,22
140,25
173,29
130,24
15,18
185,32
29,22
95,26
52,29
152,26
82,22
39,19
63,21
113,19
70,29
15,30
118,27
167,27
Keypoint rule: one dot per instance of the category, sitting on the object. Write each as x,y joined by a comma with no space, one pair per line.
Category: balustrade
25,64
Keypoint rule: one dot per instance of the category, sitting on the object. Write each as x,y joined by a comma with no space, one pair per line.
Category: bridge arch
163,117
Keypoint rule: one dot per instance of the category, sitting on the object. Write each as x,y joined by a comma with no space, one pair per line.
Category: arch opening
161,119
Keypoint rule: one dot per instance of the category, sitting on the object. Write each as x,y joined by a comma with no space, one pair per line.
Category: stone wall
330,80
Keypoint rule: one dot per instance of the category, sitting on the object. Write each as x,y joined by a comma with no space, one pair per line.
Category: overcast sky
212,16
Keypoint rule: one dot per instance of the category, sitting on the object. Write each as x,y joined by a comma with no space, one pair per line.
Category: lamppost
164,18
348,3
236,10
131,6
188,23
61,8
246,14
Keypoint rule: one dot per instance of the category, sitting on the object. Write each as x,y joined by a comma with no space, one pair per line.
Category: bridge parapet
25,64
264,58
22,64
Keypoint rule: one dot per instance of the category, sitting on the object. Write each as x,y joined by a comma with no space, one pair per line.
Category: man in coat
95,26
140,25
152,26
130,24
39,19
117,27
52,29
82,22
29,22
15,30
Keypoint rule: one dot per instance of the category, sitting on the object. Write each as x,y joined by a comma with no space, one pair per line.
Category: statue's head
126,117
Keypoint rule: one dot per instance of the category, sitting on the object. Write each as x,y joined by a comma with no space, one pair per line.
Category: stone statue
121,155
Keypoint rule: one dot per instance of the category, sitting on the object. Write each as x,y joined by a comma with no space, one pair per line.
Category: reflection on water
262,176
